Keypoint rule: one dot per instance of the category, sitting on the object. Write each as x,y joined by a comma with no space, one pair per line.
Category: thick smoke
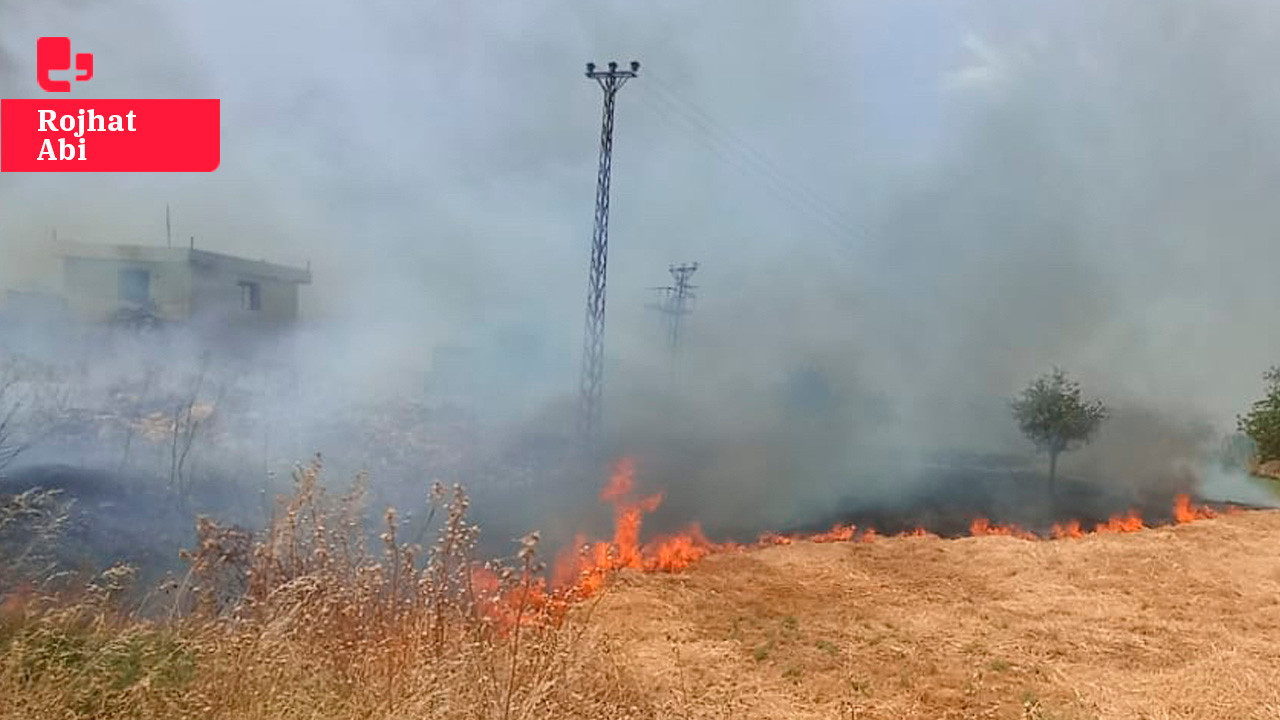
1096,198
902,213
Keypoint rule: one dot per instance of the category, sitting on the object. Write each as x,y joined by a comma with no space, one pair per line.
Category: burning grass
312,619
581,571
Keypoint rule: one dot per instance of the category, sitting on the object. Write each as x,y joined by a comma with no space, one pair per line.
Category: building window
250,296
135,286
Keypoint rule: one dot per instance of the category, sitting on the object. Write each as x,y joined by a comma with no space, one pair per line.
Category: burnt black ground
945,501
115,519
131,520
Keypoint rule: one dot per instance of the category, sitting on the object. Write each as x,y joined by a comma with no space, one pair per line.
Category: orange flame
582,570
1069,529
679,551
620,482
1131,522
983,526
838,533
1185,512
585,567
528,604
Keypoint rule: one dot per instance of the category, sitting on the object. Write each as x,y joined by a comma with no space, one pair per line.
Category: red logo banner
109,135
54,53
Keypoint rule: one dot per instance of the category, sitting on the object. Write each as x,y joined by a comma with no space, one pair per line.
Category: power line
591,382
738,152
705,120
779,187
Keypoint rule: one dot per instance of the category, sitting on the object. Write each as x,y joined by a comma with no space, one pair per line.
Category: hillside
1173,622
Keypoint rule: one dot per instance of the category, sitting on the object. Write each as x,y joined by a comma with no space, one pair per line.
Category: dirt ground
1174,622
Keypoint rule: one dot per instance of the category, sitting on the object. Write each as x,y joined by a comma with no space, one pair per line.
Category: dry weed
307,620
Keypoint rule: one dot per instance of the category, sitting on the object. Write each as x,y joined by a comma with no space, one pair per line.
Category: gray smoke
903,213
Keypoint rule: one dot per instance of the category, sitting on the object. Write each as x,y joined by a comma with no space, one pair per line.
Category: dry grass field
307,621
1172,622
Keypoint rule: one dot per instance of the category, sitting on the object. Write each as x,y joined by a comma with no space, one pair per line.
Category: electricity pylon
591,383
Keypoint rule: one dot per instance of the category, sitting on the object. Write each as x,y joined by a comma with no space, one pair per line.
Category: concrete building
109,283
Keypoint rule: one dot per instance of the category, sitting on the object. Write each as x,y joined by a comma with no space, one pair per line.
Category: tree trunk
1053,473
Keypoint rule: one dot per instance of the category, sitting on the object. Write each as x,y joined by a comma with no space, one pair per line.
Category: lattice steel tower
591,383
676,301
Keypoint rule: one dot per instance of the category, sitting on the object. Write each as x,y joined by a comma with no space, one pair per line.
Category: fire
586,566
522,603
582,570
983,526
620,482
1069,529
679,551
627,516
1131,522
565,570
838,533
1185,512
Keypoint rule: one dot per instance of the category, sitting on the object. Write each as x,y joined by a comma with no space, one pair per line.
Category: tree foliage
1262,422
1053,414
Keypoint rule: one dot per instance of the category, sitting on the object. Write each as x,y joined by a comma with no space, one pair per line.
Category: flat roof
199,258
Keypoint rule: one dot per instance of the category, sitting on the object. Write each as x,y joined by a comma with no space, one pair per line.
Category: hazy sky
935,199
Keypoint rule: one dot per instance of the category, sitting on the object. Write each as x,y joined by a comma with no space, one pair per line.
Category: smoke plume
902,212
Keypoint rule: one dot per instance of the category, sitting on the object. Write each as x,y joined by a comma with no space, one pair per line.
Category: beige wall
183,285
280,300
92,286
217,293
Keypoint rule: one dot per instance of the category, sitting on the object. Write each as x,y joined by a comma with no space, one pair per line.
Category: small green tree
1262,422
1052,413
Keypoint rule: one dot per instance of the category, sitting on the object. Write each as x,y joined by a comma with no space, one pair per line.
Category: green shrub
1262,422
